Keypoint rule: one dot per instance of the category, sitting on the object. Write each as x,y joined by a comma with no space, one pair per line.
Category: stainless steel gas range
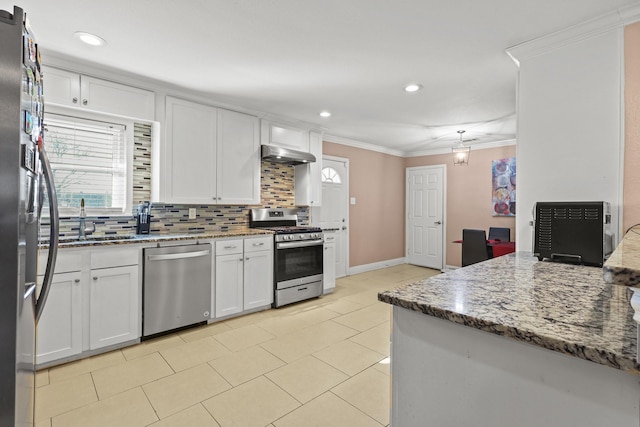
298,255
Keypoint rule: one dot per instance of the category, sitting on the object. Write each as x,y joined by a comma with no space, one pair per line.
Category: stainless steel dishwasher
176,287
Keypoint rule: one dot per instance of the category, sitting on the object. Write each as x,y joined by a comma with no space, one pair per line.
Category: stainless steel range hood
287,156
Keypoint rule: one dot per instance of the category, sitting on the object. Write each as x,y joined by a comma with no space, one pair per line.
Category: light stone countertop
155,238
561,307
623,265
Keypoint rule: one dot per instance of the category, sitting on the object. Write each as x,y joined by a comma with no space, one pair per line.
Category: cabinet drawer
258,244
114,257
227,247
65,262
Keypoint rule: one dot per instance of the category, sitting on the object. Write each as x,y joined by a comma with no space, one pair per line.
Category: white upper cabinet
211,155
285,136
308,177
190,152
238,160
75,90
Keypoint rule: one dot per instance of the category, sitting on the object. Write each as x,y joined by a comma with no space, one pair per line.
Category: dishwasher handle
164,257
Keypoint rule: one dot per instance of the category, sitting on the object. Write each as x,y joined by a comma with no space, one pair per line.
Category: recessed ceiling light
325,114
413,87
90,39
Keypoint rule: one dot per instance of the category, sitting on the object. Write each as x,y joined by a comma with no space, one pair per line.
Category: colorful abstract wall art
503,176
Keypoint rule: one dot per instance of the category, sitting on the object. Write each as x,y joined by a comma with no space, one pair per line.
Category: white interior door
334,212
425,216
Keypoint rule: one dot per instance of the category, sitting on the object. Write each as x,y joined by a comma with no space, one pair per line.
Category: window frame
326,181
128,124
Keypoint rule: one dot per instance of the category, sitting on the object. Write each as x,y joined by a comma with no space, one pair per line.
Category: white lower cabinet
329,263
60,326
93,302
229,277
244,275
258,272
114,306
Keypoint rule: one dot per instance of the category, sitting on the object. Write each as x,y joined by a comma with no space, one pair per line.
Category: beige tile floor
322,362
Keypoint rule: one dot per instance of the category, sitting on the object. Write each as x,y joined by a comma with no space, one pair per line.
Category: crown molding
359,144
614,20
481,146
365,146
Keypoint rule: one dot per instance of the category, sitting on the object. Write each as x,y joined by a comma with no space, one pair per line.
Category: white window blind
88,159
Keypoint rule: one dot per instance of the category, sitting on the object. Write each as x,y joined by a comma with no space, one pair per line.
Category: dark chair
474,246
503,234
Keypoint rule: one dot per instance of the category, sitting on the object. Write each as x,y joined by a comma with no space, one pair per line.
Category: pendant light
460,152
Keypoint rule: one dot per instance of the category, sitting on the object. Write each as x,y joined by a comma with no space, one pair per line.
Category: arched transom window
331,176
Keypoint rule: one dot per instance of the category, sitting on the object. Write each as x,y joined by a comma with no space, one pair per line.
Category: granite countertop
561,307
623,265
155,238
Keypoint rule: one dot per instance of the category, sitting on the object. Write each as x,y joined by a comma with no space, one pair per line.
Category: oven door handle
302,244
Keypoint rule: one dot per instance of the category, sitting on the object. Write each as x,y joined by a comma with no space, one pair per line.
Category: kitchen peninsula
514,341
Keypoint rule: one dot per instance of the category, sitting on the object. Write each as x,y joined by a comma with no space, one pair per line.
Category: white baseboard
375,266
449,268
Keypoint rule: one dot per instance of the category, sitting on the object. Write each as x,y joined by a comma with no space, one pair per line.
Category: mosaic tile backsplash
277,191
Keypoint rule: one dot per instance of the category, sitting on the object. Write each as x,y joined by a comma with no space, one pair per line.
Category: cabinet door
329,263
60,327
285,136
258,279
308,177
115,98
190,152
61,87
114,306
229,284
238,159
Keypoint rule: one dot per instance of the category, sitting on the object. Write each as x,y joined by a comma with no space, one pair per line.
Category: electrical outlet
192,213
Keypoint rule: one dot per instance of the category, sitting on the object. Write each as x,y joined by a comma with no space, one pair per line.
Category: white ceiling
294,58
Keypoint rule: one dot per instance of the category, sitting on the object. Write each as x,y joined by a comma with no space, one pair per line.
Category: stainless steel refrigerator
25,178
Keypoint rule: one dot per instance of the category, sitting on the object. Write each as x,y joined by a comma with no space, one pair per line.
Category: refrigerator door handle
54,229
29,288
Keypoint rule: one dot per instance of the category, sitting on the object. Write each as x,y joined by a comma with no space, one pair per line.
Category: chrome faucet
83,229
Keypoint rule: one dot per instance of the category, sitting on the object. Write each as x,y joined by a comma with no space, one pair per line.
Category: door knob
344,227
438,222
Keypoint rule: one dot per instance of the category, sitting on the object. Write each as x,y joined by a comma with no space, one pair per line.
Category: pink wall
468,195
631,195
377,181
376,221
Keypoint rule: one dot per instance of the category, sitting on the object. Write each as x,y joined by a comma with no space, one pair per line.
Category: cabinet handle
247,258
77,280
95,277
241,259
259,244
75,100
230,247
85,102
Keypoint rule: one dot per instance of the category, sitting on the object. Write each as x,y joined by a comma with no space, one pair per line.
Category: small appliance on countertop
577,232
143,218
